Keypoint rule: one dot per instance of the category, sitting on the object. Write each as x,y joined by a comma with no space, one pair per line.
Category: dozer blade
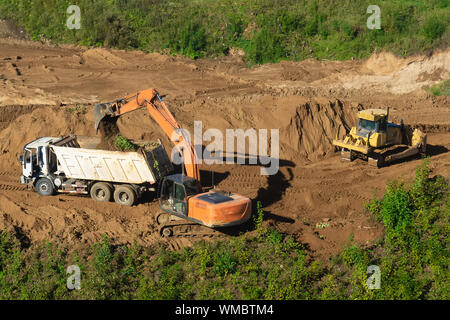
101,111
350,146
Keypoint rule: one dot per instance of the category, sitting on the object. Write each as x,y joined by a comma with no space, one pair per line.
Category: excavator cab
175,190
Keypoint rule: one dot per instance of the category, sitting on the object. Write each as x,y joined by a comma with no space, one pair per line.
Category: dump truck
380,142
60,164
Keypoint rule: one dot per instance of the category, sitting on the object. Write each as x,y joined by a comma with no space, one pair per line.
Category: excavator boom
159,111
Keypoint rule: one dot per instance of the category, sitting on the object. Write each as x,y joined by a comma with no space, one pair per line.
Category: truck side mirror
21,159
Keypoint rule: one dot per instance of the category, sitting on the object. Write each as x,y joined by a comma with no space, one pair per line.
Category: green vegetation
412,256
123,144
266,30
78,108
441,89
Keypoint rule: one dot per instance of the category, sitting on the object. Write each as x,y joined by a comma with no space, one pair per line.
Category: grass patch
440,89
123,144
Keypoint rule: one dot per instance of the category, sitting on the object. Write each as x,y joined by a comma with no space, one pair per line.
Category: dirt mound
384,72
41,122
102,56
314,126
384,63
9,113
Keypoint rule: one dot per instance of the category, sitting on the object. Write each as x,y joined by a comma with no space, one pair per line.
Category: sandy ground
48,90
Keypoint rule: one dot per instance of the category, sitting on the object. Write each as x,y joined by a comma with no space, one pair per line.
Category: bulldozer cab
372,120
175,190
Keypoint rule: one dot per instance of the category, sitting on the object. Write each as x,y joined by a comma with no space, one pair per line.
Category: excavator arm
159,111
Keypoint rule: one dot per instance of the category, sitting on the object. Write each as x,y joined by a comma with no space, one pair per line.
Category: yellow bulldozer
378,141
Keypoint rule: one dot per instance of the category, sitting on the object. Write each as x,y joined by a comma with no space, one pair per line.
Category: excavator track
174,227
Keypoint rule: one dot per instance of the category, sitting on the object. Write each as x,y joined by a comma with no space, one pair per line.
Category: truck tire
101,191
124,195
45,187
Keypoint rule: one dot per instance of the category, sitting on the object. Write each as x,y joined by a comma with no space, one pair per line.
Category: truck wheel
45,187
124,195
101,191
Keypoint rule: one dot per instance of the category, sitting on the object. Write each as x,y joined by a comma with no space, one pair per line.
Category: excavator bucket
101,111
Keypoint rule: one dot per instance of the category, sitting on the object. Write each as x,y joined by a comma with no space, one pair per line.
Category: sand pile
103,56
46,121
388,73
313,127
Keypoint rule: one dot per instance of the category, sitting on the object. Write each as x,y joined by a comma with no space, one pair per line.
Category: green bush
224,264
124,144
433,28
414,253
441,89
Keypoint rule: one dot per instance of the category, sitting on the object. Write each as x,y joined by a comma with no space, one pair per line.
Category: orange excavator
181,198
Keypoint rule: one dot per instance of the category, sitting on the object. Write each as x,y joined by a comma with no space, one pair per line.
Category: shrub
441,89
124,144
224,264
433,28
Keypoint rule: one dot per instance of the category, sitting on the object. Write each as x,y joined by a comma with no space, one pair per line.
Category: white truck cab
36,159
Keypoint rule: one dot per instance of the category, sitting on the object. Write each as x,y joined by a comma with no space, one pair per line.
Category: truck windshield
30,156
367,125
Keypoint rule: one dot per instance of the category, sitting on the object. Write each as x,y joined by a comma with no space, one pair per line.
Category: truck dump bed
147,165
